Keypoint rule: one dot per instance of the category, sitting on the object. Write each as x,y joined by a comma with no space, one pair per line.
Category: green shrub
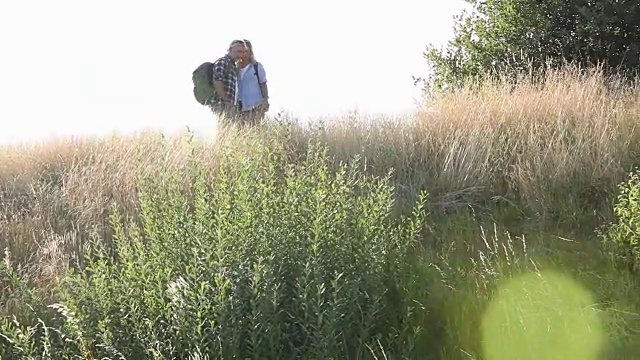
269,261
622,238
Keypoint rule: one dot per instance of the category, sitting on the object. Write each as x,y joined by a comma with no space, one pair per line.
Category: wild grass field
496,223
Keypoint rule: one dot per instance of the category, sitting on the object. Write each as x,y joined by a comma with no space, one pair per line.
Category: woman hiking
253,93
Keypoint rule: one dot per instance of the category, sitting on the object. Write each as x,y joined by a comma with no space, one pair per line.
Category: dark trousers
251,117
226,114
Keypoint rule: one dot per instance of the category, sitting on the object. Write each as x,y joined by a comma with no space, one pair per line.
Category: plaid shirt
224,69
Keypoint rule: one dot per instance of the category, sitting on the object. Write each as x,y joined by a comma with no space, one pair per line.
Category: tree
507,37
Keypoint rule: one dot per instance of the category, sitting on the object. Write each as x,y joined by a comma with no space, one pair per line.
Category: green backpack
203,89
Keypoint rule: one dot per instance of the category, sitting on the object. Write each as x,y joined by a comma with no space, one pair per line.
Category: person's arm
219,86
265,91
263,85
219,68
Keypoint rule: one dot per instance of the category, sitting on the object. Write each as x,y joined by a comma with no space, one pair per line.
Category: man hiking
225,80
215,83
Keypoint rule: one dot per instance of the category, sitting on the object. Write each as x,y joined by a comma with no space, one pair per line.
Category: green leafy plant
622,238
268,261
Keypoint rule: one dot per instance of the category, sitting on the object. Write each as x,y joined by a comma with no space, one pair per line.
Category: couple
240,85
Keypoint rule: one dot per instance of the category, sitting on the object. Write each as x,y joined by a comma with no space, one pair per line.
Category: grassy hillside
312,242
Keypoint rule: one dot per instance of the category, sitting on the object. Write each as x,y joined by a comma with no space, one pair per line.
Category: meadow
498,222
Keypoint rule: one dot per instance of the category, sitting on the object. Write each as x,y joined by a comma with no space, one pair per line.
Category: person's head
248,56
236,49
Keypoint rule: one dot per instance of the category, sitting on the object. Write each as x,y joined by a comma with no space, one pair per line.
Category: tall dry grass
553,150
569,139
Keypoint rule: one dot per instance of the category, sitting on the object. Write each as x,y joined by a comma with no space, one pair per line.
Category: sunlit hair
252,57
236,42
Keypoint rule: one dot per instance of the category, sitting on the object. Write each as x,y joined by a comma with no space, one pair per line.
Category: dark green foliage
513,37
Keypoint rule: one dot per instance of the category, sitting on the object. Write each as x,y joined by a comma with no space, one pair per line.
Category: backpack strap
255,69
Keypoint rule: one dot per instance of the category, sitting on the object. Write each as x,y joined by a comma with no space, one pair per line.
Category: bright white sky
72,67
